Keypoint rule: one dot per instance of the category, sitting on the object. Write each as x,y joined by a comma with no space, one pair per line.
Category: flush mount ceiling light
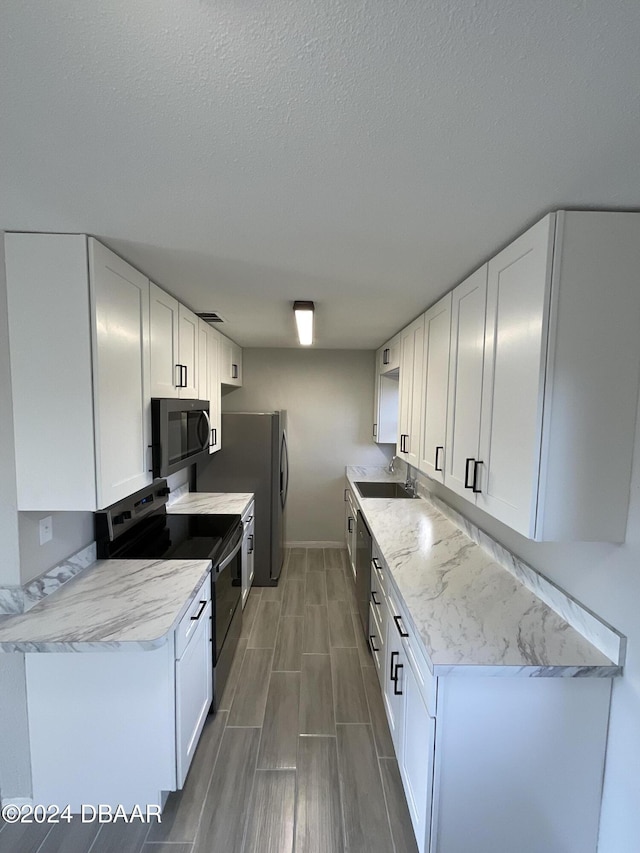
304,321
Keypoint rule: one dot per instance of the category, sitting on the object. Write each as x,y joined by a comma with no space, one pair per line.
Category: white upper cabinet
120,350
188,354
385,398
508,464
80,354
163,323
388,356
410,406
468,302
231,362
435,386
209,379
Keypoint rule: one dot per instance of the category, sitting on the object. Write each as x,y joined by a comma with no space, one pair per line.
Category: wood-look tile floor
298,759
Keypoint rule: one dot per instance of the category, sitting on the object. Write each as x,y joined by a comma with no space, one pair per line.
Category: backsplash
605,638
19,599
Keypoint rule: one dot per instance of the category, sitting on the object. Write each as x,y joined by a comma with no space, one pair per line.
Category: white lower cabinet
120,727
350,529
194,690
248,549
496,763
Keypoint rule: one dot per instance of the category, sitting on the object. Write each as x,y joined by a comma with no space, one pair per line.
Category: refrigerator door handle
284,470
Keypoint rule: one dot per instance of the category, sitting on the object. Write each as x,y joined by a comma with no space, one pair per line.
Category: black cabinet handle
474,487
400,626
373,598
397,692
373,648
215,436
203,604
234,371
393,676
251,543
349,527
435,464
185,376
345,495
375,430
385,356
375,563
179,382
467,466
403,443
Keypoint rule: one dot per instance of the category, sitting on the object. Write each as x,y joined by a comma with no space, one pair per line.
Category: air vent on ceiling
211,317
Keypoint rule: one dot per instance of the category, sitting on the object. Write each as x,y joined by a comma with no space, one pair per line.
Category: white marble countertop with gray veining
114,604
471,614
211,503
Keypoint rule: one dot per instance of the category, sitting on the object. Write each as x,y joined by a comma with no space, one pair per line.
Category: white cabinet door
204,360
215,399
120,349
435,386
188,354
518,293
163,342
248,549
416,756
194,693
231,357
465,383
386,400
388,356
411,348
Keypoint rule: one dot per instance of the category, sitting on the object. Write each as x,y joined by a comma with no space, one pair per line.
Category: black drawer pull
435,464
376,563
400,626
375,430
251,543
467,465
234,371
397,692
349,527
373,648
373,598
475,488
203,604
392,675
385,356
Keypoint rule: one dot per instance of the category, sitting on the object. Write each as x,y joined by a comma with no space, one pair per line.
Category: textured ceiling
365,154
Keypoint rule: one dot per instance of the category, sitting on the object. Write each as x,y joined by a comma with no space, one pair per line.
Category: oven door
181,432
227,590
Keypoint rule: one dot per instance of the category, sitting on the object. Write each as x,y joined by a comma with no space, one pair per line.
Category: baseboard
314,544
17,801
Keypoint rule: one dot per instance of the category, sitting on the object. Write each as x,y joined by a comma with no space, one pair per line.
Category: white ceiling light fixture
304,321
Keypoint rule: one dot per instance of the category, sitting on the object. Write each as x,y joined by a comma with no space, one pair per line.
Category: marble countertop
471,614
211,503
114,604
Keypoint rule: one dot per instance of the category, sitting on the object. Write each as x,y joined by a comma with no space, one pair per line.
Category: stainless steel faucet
410,485
390,467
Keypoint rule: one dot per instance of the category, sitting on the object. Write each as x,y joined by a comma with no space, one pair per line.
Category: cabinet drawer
378,579
192,618
400,626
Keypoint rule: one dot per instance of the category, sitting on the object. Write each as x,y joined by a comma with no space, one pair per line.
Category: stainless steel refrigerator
254,458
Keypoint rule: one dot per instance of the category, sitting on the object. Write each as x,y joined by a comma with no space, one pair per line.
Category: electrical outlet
46,529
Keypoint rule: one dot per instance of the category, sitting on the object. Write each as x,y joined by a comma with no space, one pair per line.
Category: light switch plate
46,529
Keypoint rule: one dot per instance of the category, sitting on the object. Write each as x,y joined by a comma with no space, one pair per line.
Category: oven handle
228,559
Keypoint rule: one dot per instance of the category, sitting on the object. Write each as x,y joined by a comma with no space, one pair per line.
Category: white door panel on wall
465,379
163,342
518,293
122,403
435,386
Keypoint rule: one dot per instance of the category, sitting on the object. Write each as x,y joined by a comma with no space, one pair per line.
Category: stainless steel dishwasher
363,573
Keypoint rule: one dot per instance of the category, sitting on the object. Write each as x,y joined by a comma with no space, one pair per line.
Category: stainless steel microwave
180,433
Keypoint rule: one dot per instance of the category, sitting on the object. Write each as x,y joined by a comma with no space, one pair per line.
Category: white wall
328,395
71,532
15,767
606,578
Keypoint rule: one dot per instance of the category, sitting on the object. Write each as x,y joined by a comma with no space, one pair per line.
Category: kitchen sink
383,490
